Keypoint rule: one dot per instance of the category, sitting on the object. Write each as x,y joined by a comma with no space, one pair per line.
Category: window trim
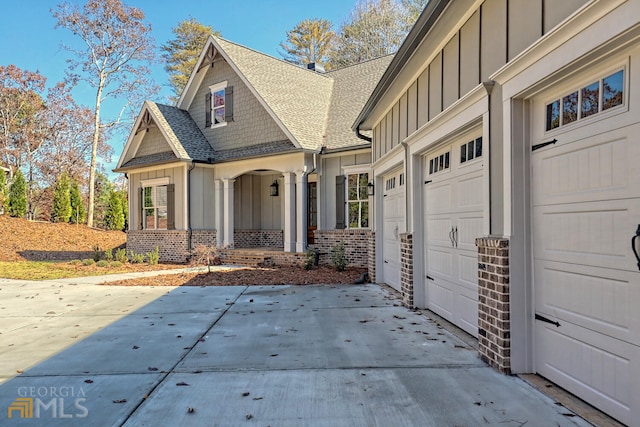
212,90
153,183
567,89
356,170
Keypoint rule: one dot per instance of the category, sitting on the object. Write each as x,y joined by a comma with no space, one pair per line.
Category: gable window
593,98
219,105
358,200
156,205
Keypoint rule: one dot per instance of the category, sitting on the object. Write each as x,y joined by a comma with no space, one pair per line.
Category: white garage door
393,224
586,208
453,218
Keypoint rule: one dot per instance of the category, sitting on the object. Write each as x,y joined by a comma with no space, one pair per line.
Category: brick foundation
494,324
406,269
356,242
172,244
258,239
372,257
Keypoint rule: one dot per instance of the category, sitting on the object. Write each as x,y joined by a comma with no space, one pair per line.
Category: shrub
78,212
102,263
154,256
108,255
75,262
310,259
18,196
205,255
61,209
339,258
88,262
136,258
121,256
97,253
116,264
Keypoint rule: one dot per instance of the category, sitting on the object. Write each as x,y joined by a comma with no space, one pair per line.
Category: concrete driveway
75,353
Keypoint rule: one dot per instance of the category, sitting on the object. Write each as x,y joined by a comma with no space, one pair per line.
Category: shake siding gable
153,142
251,123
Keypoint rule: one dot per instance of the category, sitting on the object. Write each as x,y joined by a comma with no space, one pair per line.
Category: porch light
273,188
370,189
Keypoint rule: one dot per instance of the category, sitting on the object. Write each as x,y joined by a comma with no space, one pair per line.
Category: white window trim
355,170
214,88
154,182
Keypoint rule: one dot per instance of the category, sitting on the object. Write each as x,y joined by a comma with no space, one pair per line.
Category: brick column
406,269
494,323
371,253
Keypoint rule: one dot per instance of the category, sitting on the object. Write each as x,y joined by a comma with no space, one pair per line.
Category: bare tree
117,48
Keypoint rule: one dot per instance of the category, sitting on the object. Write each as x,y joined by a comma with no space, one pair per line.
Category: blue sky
30,41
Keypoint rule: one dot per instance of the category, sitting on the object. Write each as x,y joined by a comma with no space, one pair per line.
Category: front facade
505,164
258,153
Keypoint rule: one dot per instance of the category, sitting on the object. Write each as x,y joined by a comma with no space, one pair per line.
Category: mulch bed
250,276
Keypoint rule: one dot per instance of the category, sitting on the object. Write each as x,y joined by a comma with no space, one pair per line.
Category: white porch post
301,211
219,212
289,212
228,212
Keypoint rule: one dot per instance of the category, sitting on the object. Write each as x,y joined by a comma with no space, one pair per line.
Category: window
219,105
471,150
439,163
358,200
591,99
154,207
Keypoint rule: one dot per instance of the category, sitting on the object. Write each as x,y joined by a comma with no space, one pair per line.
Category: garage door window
598,96
439,163
471,150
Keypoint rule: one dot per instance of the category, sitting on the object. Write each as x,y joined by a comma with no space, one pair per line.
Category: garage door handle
455,236
634,246
451,237
547,320
544,144
386,262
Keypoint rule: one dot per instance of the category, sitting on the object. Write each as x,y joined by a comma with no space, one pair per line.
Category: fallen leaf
190,410
135,347
182,383
248,416
120,401
258,398
245,394
152,369
88,381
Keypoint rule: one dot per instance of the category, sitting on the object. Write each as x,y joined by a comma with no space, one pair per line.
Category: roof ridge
360,63
295,66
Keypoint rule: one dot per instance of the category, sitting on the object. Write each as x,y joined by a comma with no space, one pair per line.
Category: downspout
189,230
488,86
407,210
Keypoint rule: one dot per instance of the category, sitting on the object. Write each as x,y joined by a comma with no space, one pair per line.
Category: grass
49,270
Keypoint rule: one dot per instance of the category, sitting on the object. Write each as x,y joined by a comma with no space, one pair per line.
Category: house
506,169
257,153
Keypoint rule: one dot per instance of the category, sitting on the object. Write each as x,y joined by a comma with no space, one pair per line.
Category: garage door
453,218
393,224
586,208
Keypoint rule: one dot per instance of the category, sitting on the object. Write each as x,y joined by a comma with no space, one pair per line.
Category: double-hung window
156,209
219,105
358,200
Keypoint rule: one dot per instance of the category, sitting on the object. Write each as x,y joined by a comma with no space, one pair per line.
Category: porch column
228,212
219,212
289,212
301,211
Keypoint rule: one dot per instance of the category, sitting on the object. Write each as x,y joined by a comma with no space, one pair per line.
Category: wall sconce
370,189
273,188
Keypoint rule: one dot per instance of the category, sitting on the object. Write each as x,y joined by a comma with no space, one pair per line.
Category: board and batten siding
494,34
251,123
202,199
176,176
254,207
331,168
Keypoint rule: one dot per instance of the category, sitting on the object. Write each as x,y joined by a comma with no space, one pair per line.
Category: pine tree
114,216
78,212
4,192
61,210
18,196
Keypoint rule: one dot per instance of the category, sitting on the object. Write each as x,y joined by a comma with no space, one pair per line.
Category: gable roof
180,132
314,110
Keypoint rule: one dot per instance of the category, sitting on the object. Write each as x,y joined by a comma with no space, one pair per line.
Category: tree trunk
94,155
